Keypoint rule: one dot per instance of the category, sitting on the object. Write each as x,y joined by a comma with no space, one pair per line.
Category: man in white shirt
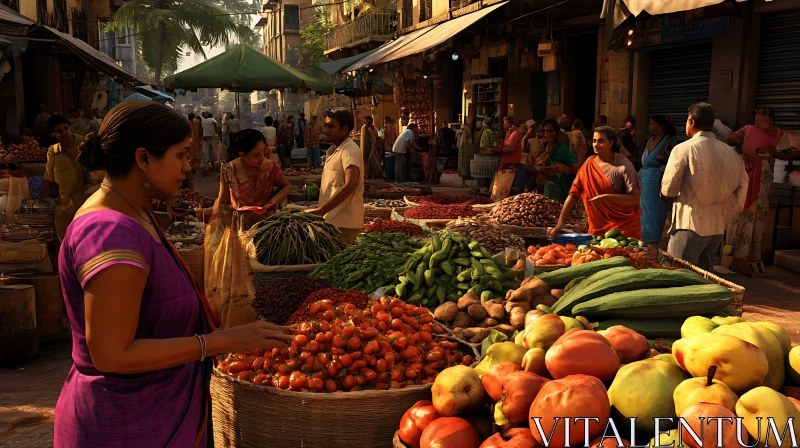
341,197
209,138
271,136
707,181
404,143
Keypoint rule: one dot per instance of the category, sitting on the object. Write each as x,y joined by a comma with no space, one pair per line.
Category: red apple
450,432
691,415
492,380
415,420
513,438
519,391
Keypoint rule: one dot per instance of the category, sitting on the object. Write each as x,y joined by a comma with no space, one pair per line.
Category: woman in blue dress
654,159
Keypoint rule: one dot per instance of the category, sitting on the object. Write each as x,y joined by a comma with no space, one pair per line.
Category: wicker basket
265,275
246,415
738,291
382,212
195,259
484,166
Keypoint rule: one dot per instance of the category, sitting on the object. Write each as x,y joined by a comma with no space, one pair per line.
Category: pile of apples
723,367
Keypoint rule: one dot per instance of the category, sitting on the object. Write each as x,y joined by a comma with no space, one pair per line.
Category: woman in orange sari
245,197
609,187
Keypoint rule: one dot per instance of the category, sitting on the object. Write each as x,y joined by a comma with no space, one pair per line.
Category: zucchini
650,328
573,283
631,281
588,281
560,277
660,302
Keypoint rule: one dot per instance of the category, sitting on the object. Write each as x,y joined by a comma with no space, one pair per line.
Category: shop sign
696,30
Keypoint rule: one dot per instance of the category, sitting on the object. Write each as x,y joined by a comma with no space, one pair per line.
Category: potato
446,312
517,317
505,328
494,310
545,299
557,293
462,320
466,300
538,287
514,305
458,333
480,335
477,312
488,323
468,333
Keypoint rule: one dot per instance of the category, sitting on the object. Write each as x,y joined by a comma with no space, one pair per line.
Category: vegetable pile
295,238
291,172
27,152
193,230
491,236
370,264
447,199
278,300
528,210
386,226
310,307
614,238
386,345
385,203
405,190
553,254
189,199
449,266
435,211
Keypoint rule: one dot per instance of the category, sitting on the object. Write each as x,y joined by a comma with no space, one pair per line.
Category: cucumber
428,277
573,283
630,281
658,303
477,290
650,328
446,267
462,261
560,277
613,233
477,266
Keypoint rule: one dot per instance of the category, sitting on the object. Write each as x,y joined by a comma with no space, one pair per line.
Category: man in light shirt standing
707,183
404,143
209,139
341,197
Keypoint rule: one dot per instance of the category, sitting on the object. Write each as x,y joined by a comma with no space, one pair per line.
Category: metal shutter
679,77
779,67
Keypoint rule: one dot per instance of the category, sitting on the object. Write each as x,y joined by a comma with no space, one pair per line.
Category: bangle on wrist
202,340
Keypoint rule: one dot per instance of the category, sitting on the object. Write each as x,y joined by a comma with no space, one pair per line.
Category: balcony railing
377,24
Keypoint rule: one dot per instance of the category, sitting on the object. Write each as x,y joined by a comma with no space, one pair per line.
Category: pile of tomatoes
389,344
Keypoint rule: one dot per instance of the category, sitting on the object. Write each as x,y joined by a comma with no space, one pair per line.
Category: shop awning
153,92
334,67
8,15
620,10
96,58
387,48
439,34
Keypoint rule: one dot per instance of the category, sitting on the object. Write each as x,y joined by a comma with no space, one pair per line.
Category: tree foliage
164,28
312,51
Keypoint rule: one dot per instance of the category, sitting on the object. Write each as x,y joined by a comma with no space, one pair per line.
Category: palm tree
165,27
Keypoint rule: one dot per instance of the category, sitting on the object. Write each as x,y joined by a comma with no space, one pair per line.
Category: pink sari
228,276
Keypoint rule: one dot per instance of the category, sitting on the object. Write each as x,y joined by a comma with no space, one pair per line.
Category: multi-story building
121,47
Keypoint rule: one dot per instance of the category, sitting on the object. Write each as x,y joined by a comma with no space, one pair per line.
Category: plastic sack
501,186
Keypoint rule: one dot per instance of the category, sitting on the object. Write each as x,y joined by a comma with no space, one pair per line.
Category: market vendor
64,176
341,198
245,197
558,164
609,187
143,339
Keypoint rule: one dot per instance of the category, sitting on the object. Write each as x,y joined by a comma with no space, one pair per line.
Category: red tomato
409,352
238,366
331,386
349,382
305,328
368,333
467,360
310,363
397,311
301,339
384,317
361,380
381,365
297,381
372,347
414,422
293,364
381,386
323,358
339,342
411,373
346,360
328,315
313,347
396,324
369,374
426,318
356,355
348,331
244,375
334,368
281,382
354,343
323,326
400,343
425,336
258,363
242,357
316,384
450,432
260,378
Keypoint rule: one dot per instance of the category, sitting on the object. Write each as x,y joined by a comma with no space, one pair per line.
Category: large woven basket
195,260
738,291
382,212
483,166
246,415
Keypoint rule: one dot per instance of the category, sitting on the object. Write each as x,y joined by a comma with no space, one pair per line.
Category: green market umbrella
243,69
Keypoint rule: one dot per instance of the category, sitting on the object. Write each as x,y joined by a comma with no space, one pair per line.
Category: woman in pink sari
758,143
143,334
245,198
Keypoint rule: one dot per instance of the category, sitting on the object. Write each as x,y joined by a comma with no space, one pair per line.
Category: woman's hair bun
91,152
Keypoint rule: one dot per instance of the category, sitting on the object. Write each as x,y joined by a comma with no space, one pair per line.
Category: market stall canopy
243,69
137,96
439,34
338,66
387,48
153,93
620,10
8,15
95,59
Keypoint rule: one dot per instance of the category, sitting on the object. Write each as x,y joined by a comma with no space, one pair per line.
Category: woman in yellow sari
245,198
